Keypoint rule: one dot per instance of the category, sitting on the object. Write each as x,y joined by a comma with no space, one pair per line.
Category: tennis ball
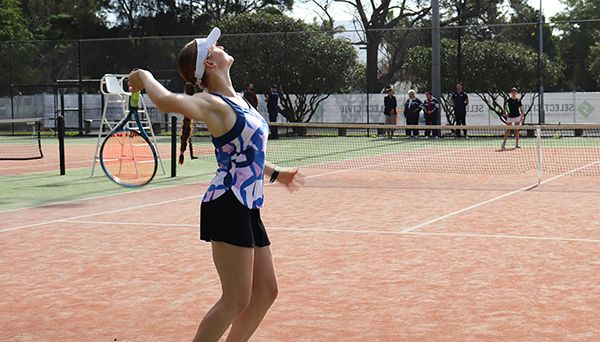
135,99
557,134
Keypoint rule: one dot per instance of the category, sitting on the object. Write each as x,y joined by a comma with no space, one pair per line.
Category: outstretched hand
291,177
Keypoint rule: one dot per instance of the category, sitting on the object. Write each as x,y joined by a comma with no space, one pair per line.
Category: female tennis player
513,111
230,216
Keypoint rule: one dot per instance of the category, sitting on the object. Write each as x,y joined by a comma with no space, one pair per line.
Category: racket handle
135,99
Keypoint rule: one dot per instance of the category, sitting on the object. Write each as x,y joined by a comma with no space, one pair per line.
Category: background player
513,111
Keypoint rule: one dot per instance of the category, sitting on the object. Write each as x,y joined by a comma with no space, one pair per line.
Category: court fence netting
20,139
554,149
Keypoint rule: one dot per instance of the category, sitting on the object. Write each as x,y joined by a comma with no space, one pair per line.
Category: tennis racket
127,156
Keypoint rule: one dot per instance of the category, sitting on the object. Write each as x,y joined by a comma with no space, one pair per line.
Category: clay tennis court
361,255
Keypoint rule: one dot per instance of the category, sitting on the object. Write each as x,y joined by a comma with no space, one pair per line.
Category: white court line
342,231
100,213
495,199
471,207
429,233
146,224
43,165
327,173
97,197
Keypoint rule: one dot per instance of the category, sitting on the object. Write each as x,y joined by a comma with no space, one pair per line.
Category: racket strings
128,158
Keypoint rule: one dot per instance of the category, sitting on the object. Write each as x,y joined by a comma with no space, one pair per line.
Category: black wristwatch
275,174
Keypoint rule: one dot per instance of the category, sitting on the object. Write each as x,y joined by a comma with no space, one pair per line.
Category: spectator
460,99
390,110
431,106
272,100
250,95
412,108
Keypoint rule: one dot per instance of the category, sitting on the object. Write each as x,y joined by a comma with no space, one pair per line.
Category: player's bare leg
506,134
234,265
264,292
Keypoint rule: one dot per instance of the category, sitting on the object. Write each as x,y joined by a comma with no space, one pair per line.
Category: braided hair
186,64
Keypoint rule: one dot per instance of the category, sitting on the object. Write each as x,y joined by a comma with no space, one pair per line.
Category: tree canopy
491,69
300,59
13,25
387,31
576,41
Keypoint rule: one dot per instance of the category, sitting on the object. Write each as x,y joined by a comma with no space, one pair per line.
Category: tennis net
555,149
20,139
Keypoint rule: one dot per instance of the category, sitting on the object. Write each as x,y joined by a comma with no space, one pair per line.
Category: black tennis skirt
225,219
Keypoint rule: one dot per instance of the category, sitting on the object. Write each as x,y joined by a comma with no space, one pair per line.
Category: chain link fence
43,79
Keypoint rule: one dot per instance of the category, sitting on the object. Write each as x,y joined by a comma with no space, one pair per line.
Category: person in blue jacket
431,109
412,108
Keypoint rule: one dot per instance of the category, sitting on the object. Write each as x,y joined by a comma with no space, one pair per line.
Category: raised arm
195,107
216,113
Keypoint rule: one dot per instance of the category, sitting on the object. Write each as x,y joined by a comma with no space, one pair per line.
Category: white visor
203,45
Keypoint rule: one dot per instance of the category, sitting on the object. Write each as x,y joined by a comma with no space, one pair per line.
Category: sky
342,12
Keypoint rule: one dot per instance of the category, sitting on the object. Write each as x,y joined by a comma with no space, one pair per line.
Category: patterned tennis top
241,157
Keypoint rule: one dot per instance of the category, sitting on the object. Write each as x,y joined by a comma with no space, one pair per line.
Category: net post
173,146
38,127
538,133
61,143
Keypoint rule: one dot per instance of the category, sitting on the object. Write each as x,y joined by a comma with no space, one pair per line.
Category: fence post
80,89
12,96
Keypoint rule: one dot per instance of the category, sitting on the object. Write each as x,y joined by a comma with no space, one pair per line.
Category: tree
387,27
65,19
307,64
13,26
173,17
217,10
576,40
374,21
594,67
137,17
491,68
327,21
18,56
527,34
57,23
